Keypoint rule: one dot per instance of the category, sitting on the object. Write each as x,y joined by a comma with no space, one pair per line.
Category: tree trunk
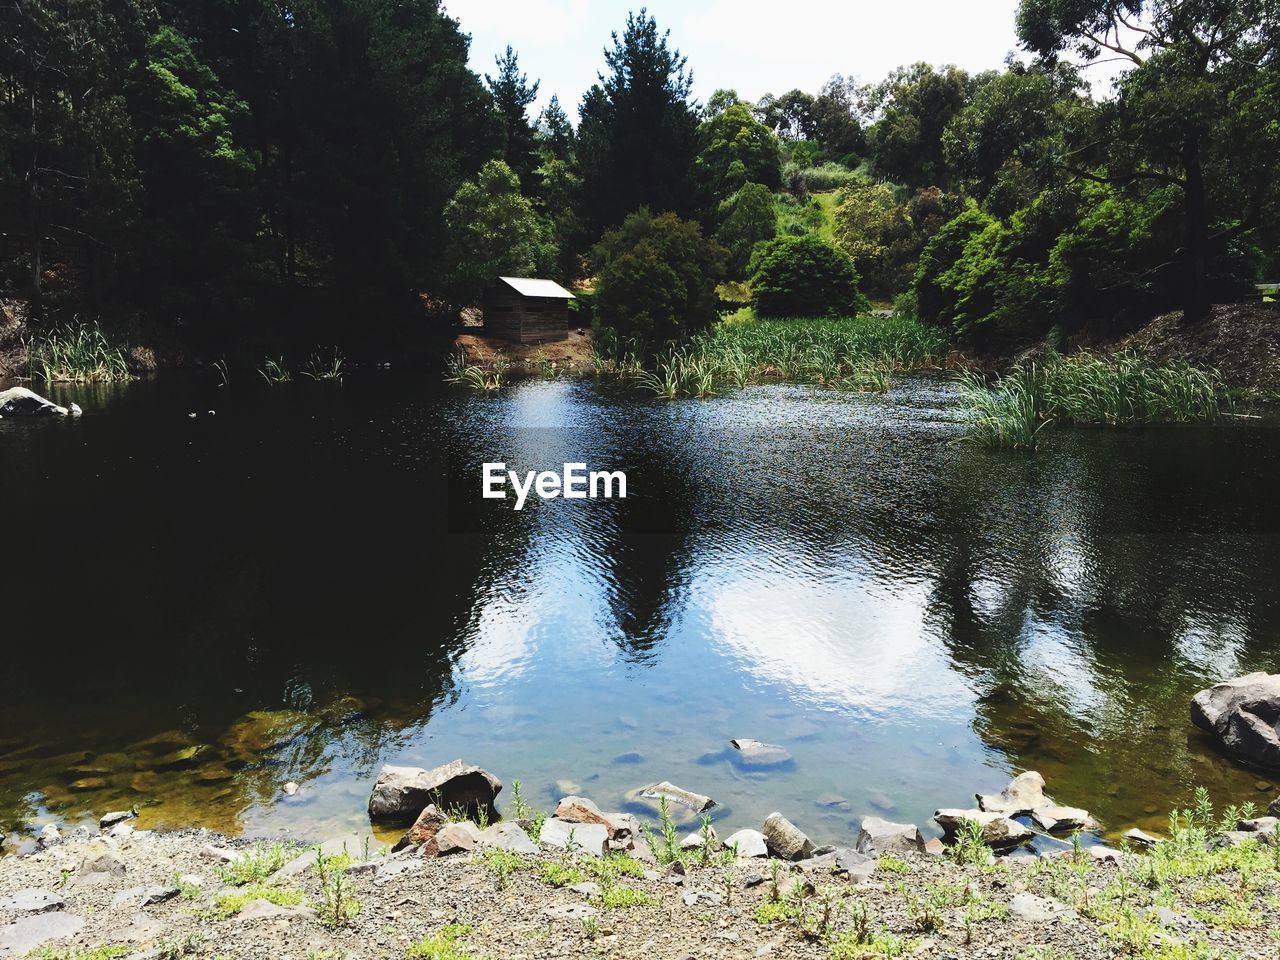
1195,295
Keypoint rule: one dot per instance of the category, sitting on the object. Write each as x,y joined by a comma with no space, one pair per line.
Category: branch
1115,48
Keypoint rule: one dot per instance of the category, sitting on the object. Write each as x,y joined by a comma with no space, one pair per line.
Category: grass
98,953
447,943
338,905
477,376
274,371
324,366
228,904
1086,388
253,865
77,354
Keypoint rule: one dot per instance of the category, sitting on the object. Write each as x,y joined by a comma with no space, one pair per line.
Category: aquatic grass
78,353
477,376
1006,414
324,366
274,371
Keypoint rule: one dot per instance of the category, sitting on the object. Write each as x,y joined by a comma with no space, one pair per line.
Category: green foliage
98,953
969,847
915,106
736,149
230,903
885,235
253,865
512,96
447,943
494,231
77,354
747,219
656,278
1007,414
802,180
338,905
805,277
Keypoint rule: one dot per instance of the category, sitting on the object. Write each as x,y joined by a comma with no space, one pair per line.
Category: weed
447,943
253,865
503,863
891,864
98,953
338,905
324,366
590,928
274,371
969,848
232,902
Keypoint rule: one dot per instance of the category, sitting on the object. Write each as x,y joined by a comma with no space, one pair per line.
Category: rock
21,402
1244,715
859,867
1232,838
934,847
754,755
1103,854
75,410
266,910
1055,819
592,838
784,839
997,829
587,889
694,840
1273,809
423,832
881,836
695,802
100,861
49,835
831,801
401,793
19,938
1263,825
119,816
32,900
701,898
289,789
352,845
1033,909
158,894
569,911
1024,794
458,838
508,836
628,758
582,810
750,843
220,854
1141,839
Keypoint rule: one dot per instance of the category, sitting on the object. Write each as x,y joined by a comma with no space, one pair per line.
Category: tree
805,277
638,129
656,278
747,219
1197,111
554,133
512,96
914,107
790,116
493,231
835,120
736,149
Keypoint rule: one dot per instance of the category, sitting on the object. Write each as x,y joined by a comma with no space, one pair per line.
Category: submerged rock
696,802
1244,715
882,836
21,402
785,839
401,793
755,755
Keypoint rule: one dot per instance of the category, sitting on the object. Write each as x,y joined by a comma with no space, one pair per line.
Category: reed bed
77,354
1087,388
477,376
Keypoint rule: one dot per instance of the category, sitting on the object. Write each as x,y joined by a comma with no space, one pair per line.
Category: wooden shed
526,310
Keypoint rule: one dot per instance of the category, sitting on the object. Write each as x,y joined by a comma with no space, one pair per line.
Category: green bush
747,218
656,279
805,277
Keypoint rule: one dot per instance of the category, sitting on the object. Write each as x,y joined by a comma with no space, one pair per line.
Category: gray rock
1244,715
19,938
587,889
592,838
401,793
701,898
751,843
21,402
1024,794
754,755
49,835
694,840
569,911
158,894
694,802
997,829
1103,854
1262,825
1055,819
785,839
882,836
119,816
1136,836
101,862
130,897
508,836
32,900
1033,909
1273,809
352,845
458,838
266,910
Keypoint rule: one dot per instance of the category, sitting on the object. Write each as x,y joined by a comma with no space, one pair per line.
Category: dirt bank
574,355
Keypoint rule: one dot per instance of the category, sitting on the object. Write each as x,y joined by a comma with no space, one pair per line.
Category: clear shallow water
308,584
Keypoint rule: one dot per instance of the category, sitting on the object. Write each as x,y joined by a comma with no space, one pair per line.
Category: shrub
747,218
656,278
805,277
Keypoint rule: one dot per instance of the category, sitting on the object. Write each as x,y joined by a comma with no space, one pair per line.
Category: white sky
752,46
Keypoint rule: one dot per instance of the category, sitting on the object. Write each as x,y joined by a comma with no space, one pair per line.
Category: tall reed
79,353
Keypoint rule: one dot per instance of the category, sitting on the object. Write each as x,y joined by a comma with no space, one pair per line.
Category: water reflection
308,584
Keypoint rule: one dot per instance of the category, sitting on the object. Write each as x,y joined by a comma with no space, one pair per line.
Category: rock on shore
21,402
1243,714
401,793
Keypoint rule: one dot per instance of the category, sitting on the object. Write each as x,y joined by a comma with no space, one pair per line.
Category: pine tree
512,96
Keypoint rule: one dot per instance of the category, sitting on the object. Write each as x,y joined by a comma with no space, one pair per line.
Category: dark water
308,584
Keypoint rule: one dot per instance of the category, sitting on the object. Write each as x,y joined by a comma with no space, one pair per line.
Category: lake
306,583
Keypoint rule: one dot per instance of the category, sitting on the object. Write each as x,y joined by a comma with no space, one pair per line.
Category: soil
574,354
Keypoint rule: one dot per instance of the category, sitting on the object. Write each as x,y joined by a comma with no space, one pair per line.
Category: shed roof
529,287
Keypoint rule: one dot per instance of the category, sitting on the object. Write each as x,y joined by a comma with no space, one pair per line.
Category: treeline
202,159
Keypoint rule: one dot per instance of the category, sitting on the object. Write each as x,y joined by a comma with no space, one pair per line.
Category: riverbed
212,591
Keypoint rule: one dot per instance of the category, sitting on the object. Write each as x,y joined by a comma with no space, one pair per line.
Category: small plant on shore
892,864
619,897
228,904
224,372
79,353
174,948
666,849
98,953
590,928
969,847
923,910
338,905
447,943
519,809
476,376
503,863
561,875
253,865
274,371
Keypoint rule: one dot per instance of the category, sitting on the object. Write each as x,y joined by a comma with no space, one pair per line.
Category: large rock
458,838
750,843
687,799
1023,795
423,832
882,836
31,900
508,836
592,838
785,839
1055,819
401,793
582,810
19,938
21,402
1244,715
997,829
754,755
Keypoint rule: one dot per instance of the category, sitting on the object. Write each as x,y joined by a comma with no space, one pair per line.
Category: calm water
308,584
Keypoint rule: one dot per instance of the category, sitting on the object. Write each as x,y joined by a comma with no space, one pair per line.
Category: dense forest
217,163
